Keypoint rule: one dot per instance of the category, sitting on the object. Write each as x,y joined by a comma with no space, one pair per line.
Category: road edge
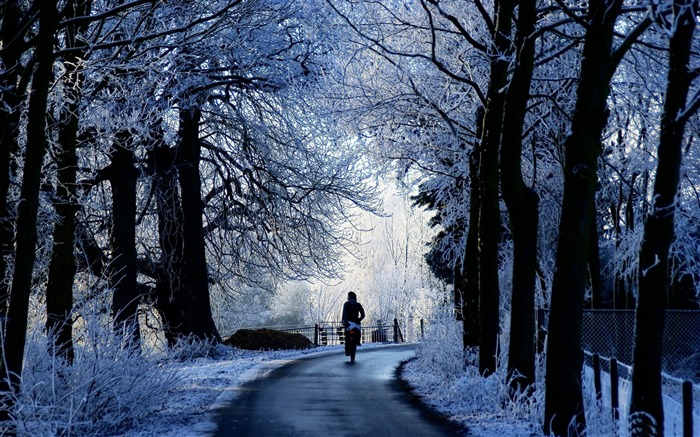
430,412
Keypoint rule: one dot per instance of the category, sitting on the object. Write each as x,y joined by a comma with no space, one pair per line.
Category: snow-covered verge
112,392
206,385
446,378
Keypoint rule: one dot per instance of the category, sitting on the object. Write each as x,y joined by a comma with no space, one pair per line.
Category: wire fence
610,333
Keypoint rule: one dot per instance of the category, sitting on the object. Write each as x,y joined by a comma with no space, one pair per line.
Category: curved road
328,396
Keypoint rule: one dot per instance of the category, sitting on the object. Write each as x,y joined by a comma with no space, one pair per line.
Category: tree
15,24
196,278
25,237
522,203
489,225
62,267
646,408
564,398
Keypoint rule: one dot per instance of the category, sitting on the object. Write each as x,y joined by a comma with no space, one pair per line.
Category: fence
332,333
607,338
612,384
610,333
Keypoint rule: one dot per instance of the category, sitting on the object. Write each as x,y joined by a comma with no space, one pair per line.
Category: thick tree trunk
62,268
564,397
200,319
171,293
26,236
489,211
646,409
11,95
122,266
523,207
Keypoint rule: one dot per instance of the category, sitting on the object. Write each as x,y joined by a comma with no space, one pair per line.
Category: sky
207,384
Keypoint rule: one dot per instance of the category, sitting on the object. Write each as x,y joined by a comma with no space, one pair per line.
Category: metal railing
333,333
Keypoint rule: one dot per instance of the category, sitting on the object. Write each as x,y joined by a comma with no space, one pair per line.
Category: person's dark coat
353,311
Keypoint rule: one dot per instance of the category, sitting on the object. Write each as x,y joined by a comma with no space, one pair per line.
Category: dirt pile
267,339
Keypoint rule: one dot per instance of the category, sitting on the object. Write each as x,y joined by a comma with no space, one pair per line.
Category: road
328,396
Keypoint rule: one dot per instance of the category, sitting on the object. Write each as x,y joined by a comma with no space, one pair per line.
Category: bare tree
13,340
522,202
646,408
564,398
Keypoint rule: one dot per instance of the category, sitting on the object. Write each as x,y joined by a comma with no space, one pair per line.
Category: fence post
614,387
596,378
396,331
421,329
316,334
687,409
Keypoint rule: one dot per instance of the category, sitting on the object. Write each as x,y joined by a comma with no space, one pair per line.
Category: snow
437,375
208,384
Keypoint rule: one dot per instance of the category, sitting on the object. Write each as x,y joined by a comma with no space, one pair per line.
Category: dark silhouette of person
352,312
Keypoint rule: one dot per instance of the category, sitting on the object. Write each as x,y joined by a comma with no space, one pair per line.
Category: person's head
352,295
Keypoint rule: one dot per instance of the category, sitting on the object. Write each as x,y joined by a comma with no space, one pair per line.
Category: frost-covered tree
15,327
600,58
189,151
679,19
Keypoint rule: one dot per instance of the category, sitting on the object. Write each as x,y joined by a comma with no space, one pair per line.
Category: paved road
328,396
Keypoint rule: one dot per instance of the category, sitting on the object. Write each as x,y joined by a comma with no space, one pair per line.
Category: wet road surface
328,396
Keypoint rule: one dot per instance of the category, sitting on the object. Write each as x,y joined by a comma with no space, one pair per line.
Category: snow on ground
437,375
209,383
443,375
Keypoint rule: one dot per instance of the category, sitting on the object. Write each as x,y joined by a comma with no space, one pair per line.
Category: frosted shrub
109,387
440,355
447,377
191,348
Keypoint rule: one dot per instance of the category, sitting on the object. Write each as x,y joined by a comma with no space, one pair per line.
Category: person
352,311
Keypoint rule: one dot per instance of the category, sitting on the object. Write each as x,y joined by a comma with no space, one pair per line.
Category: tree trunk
170,301
646,408
594,265
26,236
11,94
523,207
564,397
199,314
62,268
122,266
489,210
471,336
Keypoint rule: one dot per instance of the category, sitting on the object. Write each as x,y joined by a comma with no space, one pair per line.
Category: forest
160,157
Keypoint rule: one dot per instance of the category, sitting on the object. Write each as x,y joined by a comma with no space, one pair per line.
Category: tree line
559,136
156,152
